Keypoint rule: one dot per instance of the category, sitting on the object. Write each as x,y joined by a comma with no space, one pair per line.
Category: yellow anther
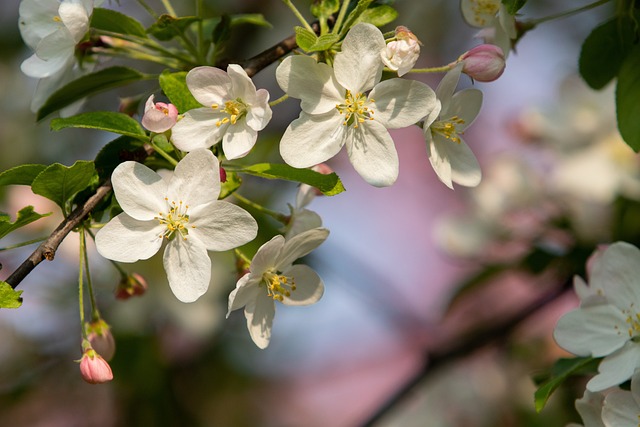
278,285
175,220
355,109
448,128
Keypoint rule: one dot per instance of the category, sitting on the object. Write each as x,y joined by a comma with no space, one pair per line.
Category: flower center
447,128
633,320
482,8
355,110
176,220
235,108
278,285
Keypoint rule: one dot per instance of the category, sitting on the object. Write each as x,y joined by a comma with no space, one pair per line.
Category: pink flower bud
101,339
159,117
94,369
223,175
132,285
484,63
401,54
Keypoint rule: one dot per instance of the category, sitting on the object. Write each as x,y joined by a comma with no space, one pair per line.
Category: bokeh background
555,178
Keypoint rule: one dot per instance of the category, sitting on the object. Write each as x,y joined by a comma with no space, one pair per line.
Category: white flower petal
245,292
592,331
188,268
196,179
238,140
479,15
299,246
373,154
312,139
125,239
75,17
616,368
448,85
197,129
358,67
466,105
313,83
465,169
209,85
400,103
242,85
267,255
139,190
507,22
301,221
620,410
260,314
439,157
309,286
617,271
590,408
53,54
260,113
36,20
221,226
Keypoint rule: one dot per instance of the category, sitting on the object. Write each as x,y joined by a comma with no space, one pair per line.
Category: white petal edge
188,268
125,239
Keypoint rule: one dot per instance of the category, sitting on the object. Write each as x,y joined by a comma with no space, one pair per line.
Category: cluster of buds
402,53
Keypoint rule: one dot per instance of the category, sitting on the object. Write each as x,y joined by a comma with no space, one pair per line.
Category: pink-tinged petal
466,105
617,271
238,140
311,82
94,369
299,246
358,67
267,255
221,226
139,190
259,113
198,129
616,368
260,313
159,117
209,85
309,286
592,331
373,154
196,179
74,16
125,239
400,103
188,268
313,139
246,291
242,85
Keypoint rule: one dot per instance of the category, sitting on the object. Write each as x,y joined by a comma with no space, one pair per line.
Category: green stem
442,69
28,242
534,22
242,256
279,100
95,314
146,7
169,7
341,15
146,43
276,215
298,15
176,65
163,153
81,287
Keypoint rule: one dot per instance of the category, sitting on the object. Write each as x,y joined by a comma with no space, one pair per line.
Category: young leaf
116,22
330,184
604,50
627,96
256,19
61,183
90,84
305,38
563,369
324,8
21,175
168,27
324,42
117,151
378,15
354,15
222,31
25,216
9,298
174,86
109,121
513,5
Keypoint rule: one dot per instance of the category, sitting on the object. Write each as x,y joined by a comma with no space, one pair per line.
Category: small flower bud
484,63
223,175
93,368
159,117
401,54
132,285
101,339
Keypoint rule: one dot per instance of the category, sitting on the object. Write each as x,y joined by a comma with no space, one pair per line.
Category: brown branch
269,56
47,249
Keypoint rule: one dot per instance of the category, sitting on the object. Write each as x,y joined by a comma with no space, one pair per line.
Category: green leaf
232,183
354,15
109,121
324,42
90,84
604,51
9,298
563,369
330,184
627,96
117,151
305,38
256,19
378,15
116,22
174,86
21,175
61,183
513,5
222,31
25,216
324,8
168,27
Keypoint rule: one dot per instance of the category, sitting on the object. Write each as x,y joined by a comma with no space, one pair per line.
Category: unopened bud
101,339
223,175
131,285
401,54
484,63
159,117
93,368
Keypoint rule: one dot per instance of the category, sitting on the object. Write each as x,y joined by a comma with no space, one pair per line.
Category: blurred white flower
499,27
621,407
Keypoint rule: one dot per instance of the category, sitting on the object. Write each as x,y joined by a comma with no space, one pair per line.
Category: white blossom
402,53
499,27
621,407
